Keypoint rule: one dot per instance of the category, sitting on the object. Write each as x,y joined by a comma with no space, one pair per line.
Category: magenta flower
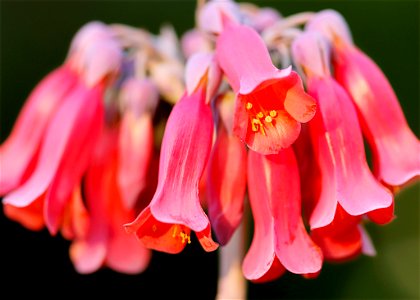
280,238
271,103
396,149
73,127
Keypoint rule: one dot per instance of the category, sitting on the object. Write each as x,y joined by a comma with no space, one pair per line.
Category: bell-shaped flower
271,103
139,99
165,224
395,148
74,127
337,140
280,238
105,242
226,174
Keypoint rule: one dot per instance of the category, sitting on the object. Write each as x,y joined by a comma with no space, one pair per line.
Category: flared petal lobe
271,103
339,148
395,147
20,149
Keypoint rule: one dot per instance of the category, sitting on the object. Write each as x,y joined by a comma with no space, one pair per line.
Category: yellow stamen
273,113
174,232
260,115
185,237
248,105
268,119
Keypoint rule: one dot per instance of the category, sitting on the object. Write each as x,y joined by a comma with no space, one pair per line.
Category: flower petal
244,58
260,259
395,147
30,216
279,176
135,154
185,150
53,147
339,144
226,183
157,235
75,160
20,148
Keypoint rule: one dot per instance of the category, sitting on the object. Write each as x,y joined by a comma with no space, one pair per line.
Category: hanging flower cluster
266,108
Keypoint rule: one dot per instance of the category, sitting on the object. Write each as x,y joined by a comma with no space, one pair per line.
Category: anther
273,113
260,115
268,119
248,105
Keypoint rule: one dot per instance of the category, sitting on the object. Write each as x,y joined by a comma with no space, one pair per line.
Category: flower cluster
266,108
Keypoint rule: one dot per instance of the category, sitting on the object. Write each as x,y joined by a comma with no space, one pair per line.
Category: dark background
35,36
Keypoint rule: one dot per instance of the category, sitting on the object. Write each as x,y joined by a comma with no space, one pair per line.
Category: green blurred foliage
35,36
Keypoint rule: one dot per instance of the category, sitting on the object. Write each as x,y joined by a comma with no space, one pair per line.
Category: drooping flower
395,147
104,241
226,176
139,99
165,224
73,129
280,238
337,140
271,103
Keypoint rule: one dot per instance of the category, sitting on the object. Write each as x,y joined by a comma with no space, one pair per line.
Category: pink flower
139,99
396,149
72,129
175,209
271,104
20,150
337,140
226,176
280,239
104,241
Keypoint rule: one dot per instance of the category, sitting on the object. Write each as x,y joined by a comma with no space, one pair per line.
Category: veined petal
52,150
279,176
75,160
19,150
226,184
135,155
244,58
336,136
395,147
185,149
261,258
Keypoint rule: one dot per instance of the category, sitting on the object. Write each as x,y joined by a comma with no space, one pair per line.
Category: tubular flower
337,140
226,177
280,239
104,241
396,149
139,98
271,103
70,134
175,209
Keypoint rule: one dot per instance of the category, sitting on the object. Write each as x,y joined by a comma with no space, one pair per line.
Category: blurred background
34,39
